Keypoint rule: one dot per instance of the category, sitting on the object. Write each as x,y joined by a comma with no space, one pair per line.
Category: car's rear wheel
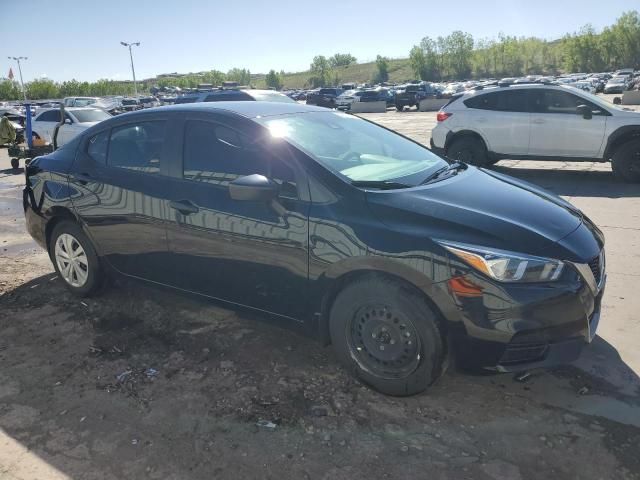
399,108
626,161
387,336
75,259
469,150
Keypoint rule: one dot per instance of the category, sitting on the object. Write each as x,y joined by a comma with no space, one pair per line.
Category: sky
81,38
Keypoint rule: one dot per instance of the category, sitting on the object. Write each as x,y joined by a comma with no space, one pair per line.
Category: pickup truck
412,95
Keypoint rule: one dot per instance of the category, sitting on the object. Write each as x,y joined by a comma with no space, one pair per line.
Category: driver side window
218,155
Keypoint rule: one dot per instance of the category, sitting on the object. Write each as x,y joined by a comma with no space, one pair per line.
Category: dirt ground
143,383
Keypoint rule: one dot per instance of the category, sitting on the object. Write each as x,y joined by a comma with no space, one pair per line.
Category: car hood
484,208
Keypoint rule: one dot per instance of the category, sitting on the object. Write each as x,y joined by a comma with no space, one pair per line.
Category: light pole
17,59
137,44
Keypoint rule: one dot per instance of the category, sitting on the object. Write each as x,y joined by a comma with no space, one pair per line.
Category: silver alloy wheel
72,260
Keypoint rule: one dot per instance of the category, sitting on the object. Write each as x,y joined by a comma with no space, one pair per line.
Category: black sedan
362,237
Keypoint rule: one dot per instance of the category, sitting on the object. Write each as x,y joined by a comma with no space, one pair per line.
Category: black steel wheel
386,334
468,150
384,342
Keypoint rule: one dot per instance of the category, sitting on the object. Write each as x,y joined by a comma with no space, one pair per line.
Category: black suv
325,97
413,94
359,236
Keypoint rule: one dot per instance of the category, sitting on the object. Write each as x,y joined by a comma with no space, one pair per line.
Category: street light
137,44
17,59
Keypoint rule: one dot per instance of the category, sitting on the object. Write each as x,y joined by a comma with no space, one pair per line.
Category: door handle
538,121
82,178
185,207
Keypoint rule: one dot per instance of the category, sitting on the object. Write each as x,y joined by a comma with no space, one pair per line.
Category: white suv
538,121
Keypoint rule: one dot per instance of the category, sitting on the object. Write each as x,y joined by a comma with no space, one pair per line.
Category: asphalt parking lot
142,383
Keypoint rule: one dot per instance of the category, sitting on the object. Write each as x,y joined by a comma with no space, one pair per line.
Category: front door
246,252
121,176
557,130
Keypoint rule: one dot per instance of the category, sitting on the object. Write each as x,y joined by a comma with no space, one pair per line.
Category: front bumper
517,327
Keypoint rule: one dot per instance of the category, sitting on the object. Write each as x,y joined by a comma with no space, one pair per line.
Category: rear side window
137,146
503,101
97,147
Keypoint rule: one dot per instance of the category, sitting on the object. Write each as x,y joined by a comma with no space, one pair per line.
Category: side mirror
68,121
585,111
253,188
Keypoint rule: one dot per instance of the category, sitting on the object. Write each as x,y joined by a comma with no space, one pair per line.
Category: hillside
399,71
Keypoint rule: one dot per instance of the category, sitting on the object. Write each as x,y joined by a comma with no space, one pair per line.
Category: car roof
245,108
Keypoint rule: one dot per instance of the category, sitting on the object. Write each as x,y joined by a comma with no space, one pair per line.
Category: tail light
442,116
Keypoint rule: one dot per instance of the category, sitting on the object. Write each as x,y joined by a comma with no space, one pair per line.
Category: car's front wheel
387,336
75,259
626,161
469,150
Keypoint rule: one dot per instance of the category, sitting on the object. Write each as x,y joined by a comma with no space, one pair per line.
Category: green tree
242,76
382,64
273,80
42,88
418,62
321,74
342,60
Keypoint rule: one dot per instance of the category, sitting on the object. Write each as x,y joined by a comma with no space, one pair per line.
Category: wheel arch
410,279
453,136
619,137
57,215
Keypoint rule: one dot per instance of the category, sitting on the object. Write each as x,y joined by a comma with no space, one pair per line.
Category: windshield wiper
380,184
440,173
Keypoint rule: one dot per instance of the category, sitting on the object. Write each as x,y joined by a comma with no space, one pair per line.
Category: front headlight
507,266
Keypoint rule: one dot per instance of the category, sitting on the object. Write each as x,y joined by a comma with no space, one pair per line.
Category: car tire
626,161
75,259
387,336
400,108
15,163
469,150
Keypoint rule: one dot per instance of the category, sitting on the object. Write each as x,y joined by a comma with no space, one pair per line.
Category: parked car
378,95
345,99
413,94
149,102
616,84
543,122
325,97
360,236
585,85
130,104
77,120
80,101
235,95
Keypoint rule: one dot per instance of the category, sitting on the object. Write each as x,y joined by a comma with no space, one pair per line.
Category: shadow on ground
574,183
142,383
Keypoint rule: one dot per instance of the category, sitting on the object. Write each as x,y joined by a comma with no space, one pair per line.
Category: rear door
557,130
121,176
501,117
245,252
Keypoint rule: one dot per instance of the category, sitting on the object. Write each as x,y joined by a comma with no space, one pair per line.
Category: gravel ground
143,383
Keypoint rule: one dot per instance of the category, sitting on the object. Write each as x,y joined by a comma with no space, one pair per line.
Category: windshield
83,102
85,116
355,149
